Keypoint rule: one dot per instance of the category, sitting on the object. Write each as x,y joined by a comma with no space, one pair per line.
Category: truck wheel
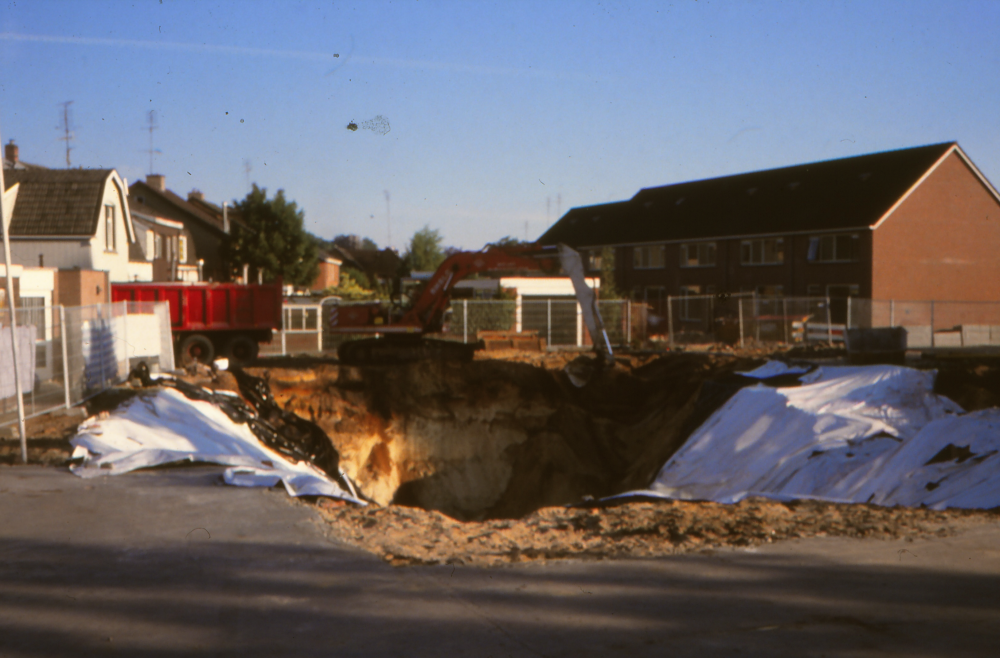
196,348
241,349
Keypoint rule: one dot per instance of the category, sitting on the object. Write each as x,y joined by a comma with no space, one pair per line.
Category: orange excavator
401,333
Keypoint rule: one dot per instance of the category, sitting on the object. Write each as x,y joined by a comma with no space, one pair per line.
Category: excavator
400,334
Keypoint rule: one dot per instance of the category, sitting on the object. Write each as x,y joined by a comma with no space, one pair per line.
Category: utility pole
388,221
247,167
67,129
559,205
152,126
7,200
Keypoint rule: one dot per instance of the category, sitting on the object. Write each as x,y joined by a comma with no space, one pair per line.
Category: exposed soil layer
405,535
498,438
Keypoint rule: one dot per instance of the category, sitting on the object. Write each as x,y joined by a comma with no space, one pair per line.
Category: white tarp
852,434
162,426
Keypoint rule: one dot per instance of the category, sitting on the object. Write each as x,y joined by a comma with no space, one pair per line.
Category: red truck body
207,319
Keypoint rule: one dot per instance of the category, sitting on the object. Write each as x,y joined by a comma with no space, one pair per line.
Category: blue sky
500,114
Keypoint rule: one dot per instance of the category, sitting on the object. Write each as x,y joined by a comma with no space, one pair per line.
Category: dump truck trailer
212,319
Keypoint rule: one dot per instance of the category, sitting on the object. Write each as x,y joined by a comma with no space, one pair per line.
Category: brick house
208,230
913,224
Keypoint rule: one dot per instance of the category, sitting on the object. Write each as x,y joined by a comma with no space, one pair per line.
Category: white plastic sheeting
852,434
163,427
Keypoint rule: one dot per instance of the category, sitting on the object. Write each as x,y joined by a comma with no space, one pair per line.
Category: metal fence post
125,336
465,320
548,323
65,357
739,307
283,350
932,324
670,323
829,323
784,318
628,320
848,325
892,312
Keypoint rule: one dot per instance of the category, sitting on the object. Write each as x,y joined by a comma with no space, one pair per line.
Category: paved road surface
171,563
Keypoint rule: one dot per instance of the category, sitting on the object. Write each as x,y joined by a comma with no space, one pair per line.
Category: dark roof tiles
57,201
822,196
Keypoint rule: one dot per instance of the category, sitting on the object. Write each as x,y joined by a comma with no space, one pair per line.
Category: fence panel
73,353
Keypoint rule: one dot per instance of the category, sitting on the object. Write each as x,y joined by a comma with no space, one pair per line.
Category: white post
892,312
319,329
670,323
65,359
548,324
829,325
739,305
465,320
283,350
579,325
517,313
6,213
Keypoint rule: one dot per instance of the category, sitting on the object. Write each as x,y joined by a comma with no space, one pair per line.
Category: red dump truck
209,319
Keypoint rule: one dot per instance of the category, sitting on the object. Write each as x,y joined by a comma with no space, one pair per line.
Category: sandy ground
405,535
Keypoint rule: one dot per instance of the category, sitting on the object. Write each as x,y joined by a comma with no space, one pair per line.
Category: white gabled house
73,218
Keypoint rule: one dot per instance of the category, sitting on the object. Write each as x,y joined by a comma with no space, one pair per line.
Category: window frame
760,246
110,234
684,252
814,254
648,250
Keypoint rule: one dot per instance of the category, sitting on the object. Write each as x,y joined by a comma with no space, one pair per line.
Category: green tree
425,252
609,290
274,240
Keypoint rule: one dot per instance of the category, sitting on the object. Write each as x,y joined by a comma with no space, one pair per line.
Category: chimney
10,152
157,182
196,195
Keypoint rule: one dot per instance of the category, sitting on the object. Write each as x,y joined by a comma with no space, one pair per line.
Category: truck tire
196,348
241,349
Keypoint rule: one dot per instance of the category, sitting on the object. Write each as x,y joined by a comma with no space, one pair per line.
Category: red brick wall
82,287
942,243
328,277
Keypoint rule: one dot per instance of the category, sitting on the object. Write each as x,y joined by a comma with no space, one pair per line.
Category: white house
73,218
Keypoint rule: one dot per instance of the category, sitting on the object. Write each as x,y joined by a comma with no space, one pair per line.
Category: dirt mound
402,535
500,439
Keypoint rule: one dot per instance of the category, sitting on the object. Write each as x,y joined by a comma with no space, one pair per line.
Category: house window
157,245
109,229
649,258
770,291
842,248
698,254
33,313
770,251
182,249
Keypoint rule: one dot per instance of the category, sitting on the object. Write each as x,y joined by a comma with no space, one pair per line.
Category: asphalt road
172,563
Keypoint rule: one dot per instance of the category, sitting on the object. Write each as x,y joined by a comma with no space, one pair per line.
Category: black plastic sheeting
294,438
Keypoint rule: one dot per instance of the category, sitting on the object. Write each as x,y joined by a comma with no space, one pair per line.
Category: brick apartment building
914,224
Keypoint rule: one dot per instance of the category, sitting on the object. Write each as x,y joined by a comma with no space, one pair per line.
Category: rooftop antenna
67,128
247,167
559,205
152,126
388,221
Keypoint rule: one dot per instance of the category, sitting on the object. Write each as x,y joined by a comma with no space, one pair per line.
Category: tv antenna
67,128
151,127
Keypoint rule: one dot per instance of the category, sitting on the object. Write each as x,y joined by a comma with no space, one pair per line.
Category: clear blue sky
499,113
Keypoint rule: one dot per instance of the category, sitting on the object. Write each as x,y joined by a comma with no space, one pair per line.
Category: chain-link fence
933,324
302,331
68,354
